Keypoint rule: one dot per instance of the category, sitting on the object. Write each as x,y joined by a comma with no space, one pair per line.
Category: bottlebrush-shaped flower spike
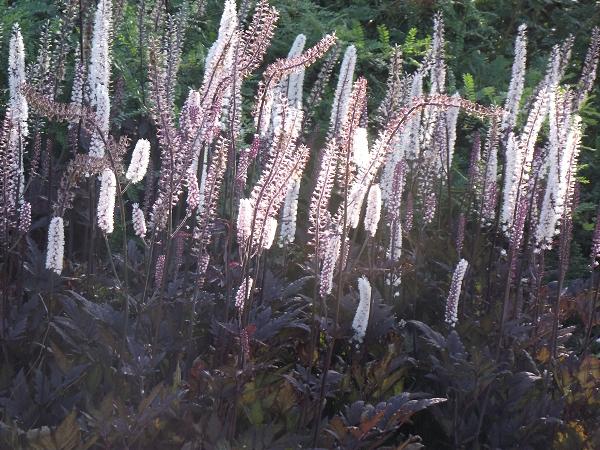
9,179
395,92
106,201
139,161
256,38
451,120
361,318
285,162
18,110
100,134
517,81
193,196
438,64
319,217
56,245
360,147
342,91
269,232
139,221
393,212
287,232
590,66
519,151
332,245
489,177
159,271
24,217
454,294
100,61
281,68
373,211
219,59
206,214
99,76
243,293
562,154
295,81
244,222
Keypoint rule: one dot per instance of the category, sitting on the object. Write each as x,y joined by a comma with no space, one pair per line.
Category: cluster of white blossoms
139,221
18,108
99,76
106,201
373,212
139,161
243,293
361,318
343,89
517,81
56,245
454,295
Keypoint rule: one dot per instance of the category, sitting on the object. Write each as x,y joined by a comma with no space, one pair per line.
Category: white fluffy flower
99,69
19,111
454,294
269,232
295,81
517,81
243,293
360,147
139,161
287,232
343,89
16,77
56,245
373,212
97,143
244,221
361,318
99,76
106,201
139,221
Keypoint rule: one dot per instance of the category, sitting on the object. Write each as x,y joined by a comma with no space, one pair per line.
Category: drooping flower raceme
361,318
106,201
56,245
454,294
139,161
